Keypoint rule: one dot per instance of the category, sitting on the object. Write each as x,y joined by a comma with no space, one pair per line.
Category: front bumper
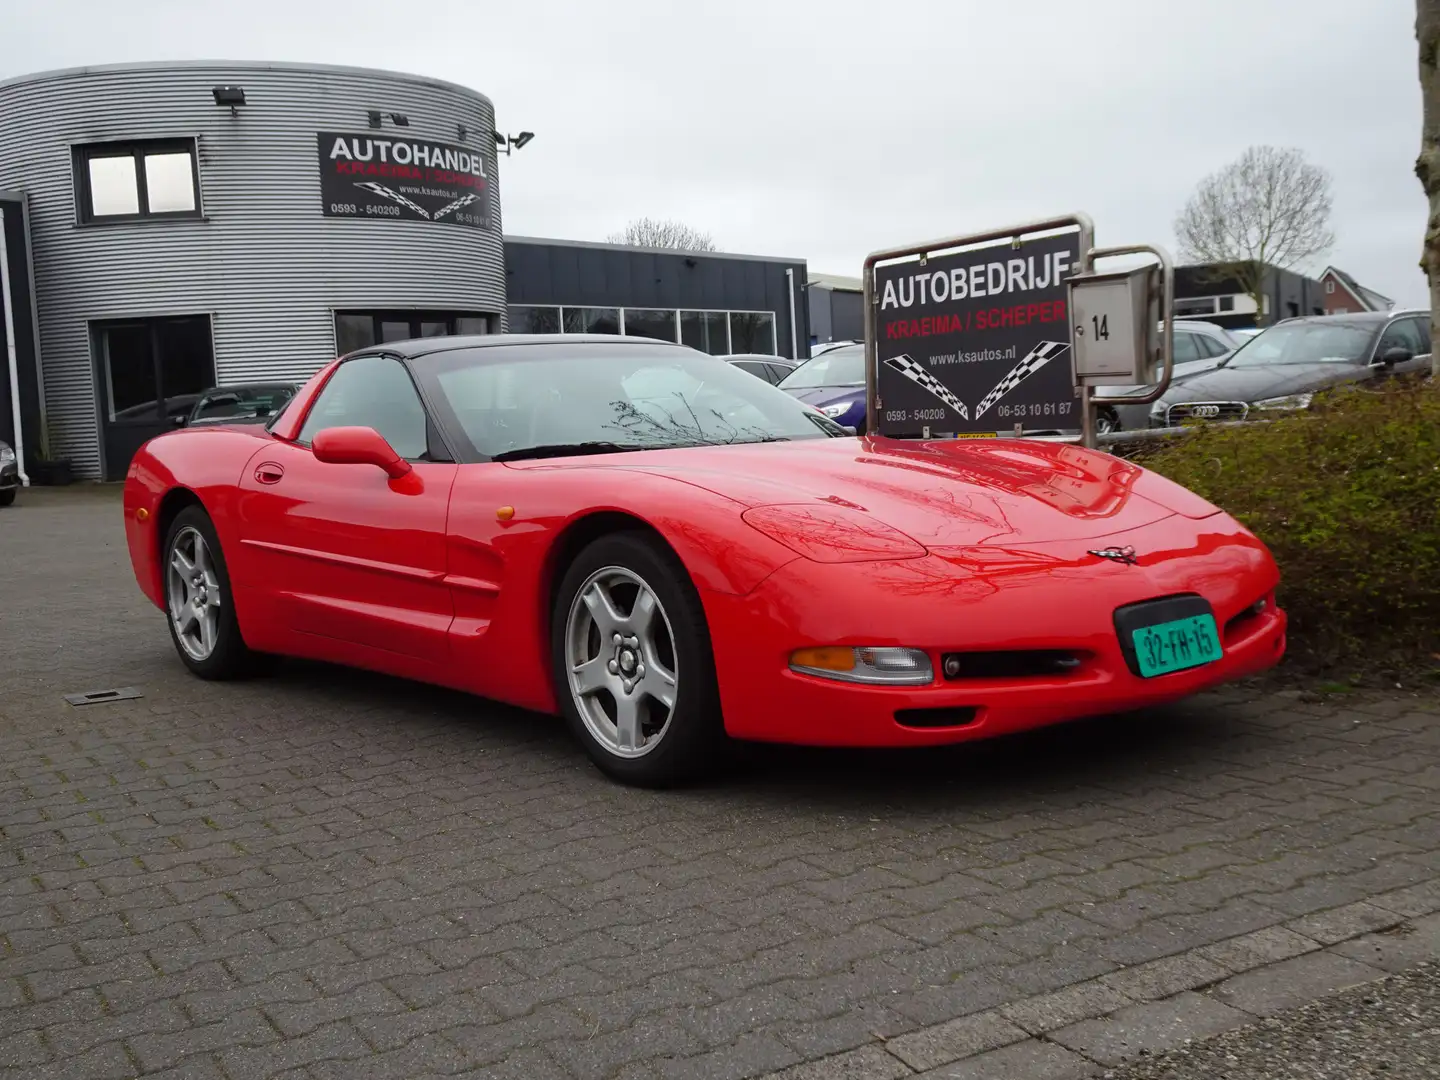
9,478
1053,597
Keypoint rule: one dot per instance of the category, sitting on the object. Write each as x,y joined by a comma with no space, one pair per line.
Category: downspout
794,339
11,357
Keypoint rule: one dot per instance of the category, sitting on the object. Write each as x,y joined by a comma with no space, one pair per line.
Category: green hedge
1347,496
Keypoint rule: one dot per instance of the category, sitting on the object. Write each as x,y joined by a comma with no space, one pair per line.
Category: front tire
199,602
633,670
7,498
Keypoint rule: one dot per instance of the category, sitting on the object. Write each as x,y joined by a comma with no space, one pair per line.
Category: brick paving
331,874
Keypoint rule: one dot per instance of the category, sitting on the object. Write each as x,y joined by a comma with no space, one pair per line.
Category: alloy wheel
620,661
193,593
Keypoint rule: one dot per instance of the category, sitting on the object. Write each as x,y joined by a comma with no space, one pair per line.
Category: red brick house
1343,294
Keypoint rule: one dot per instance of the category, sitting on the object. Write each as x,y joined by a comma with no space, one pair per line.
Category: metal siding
264,263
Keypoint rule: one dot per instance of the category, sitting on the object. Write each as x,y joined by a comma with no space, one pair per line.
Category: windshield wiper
566,450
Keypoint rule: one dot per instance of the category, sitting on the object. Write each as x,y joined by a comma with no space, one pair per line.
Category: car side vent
1010,664
936,718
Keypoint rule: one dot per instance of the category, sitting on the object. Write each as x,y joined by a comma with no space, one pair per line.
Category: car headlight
1290,401
876,666
7,455
832,411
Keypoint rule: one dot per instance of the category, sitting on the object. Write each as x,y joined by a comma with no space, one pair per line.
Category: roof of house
1369,297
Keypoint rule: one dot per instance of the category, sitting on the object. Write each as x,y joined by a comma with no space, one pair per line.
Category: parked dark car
9,474
1283,367
1199,346
243,403
833,382
772,369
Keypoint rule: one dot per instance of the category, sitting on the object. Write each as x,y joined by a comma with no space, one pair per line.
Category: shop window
591,320
752,332
534,320
650,323
707,331
361,329
130,181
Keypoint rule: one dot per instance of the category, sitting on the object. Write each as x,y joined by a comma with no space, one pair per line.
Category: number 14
1102,327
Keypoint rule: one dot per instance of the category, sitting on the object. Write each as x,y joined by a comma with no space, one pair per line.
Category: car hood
1251,384
821,396
951,494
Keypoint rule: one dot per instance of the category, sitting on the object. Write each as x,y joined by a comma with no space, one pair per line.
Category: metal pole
11,356
794,333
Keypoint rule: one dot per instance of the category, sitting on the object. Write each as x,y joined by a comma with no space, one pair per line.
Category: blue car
834,383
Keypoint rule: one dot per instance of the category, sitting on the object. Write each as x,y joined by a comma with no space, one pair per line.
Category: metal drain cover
96,697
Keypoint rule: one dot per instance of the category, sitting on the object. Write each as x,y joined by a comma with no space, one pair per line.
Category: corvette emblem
1125,555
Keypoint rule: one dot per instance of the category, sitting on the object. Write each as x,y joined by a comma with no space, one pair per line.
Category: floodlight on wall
375,118
399,119
513,142
234,96
461,132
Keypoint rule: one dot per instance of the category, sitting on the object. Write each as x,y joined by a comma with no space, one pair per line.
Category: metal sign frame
1087,254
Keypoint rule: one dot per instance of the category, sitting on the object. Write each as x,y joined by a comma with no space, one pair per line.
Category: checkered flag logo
1032,362
916,372
394,196
464,200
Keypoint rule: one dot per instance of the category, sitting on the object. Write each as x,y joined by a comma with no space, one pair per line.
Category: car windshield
1305,343
235,402
838,367
525,401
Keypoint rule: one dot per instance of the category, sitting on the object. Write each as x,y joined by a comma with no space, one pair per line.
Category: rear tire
199,602
7,498
632,664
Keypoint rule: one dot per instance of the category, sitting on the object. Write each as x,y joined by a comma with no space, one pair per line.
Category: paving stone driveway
329,874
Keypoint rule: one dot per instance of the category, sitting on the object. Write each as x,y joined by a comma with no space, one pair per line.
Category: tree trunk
1427,167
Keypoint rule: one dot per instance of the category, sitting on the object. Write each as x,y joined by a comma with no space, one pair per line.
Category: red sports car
669,551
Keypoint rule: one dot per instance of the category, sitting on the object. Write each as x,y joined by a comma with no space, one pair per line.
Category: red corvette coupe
669,551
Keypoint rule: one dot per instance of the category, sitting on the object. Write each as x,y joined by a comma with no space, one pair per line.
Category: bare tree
1269,208
652,233
1427,167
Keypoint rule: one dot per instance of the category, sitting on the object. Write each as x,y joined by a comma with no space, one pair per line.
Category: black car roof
1362,318
417,347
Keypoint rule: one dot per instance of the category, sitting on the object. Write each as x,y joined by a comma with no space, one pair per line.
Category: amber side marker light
142,514
505,513
875,665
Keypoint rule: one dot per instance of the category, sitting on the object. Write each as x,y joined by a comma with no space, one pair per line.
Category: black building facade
717,303
1207,292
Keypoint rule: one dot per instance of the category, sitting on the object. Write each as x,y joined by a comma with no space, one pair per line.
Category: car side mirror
358,446
1397,355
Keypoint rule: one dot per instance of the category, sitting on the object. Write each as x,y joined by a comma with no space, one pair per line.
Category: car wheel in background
1107,420
632,664
199,603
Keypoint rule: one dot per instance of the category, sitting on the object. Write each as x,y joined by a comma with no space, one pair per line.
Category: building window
534,320
651,323
752,332
585,320
1199,305
715,332
132,181
707,331
1329,285
361,329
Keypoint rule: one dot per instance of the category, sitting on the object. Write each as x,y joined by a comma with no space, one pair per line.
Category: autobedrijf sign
977,341
362,176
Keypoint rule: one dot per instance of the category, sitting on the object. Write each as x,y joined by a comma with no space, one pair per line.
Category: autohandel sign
978,341
366,177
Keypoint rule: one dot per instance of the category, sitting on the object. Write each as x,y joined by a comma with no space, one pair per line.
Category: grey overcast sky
824,129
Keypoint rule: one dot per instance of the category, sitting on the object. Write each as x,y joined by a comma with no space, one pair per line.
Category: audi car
1282,368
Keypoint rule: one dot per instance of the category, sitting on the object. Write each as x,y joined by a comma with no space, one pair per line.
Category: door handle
269,473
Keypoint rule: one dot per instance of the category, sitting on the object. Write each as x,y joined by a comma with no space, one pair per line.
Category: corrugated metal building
179,240
183,225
